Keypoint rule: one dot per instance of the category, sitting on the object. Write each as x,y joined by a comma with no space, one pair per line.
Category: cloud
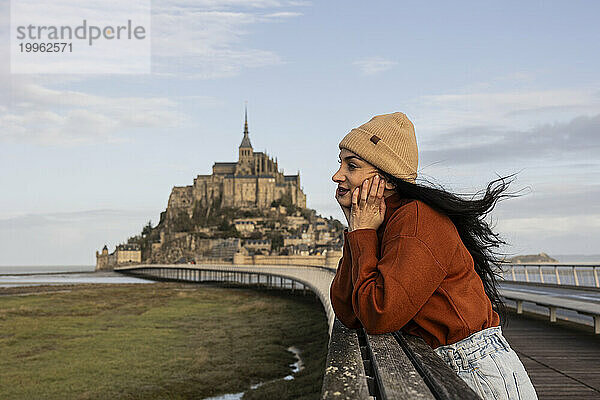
374,65
204,40
555,235
40,115
551,225
576,140
514,102
283,14
553,200
191,39
68,237
522,109
229,4
27,221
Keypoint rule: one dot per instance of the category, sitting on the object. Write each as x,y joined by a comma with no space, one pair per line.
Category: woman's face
351,174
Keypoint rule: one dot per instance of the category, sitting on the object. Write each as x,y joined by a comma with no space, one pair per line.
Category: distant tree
199,214
337,225
227,229
137,239
276,240
201,235
286,201
181,222
224,225
307,213
251,213
161,221
256,235
146,230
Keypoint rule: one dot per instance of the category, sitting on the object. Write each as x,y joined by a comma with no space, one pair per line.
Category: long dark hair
469,217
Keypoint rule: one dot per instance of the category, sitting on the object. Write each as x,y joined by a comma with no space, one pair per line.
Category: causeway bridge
555,329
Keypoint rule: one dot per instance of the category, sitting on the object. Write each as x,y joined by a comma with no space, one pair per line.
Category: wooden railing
388,366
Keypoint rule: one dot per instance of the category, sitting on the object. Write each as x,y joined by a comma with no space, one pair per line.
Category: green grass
159,341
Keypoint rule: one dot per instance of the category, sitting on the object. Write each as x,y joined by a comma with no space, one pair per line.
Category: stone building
123,254
105,261
129,254
253,181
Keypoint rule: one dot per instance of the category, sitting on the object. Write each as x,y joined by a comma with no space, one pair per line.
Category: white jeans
486,362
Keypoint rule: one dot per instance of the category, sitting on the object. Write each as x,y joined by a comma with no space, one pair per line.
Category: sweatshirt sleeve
340,292
388,292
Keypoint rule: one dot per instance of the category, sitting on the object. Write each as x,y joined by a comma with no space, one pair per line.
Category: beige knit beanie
388,142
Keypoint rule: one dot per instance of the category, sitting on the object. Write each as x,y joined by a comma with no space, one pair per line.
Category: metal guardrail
359,365
554,303
585,275
567,276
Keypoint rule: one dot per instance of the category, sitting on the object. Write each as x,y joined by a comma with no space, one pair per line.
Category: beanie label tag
375,139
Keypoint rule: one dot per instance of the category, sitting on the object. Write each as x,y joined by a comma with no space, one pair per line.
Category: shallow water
67,279
43,269
295,367
229,396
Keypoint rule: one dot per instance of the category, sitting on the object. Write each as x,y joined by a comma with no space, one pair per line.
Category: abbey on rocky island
245,212
253,181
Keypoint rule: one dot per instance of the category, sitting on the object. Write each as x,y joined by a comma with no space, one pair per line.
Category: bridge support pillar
597,324
552,314
519,306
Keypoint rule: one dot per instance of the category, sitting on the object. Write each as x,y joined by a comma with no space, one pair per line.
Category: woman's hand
346,211
368,207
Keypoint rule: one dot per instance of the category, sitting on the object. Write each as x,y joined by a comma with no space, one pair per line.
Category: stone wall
237,191
330,260
181,198
107,262
129,256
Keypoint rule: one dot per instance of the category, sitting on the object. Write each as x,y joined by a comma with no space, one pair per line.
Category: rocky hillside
532,258
218,233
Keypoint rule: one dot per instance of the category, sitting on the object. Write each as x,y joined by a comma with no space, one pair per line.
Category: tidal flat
158,341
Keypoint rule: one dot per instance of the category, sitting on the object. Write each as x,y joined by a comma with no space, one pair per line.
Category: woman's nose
337,177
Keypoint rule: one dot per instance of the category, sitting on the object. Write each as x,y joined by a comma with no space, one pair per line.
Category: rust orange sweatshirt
412,273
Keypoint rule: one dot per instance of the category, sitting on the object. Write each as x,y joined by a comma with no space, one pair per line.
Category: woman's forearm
341,290
388,292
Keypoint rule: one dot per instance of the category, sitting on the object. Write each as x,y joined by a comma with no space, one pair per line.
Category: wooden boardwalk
562,359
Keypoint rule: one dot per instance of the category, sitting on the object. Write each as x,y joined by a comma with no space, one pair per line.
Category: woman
420,259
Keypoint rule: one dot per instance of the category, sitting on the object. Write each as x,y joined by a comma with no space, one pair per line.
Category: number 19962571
46,47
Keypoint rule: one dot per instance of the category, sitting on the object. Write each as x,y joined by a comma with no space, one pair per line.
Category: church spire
246,140
246,120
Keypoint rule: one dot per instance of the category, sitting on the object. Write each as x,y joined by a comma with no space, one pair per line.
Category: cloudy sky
493,89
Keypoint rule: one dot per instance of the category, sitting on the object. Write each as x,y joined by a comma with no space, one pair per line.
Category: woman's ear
389,185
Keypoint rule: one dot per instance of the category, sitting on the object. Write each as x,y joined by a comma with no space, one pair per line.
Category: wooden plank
396,376
345,376
561,358
441,379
